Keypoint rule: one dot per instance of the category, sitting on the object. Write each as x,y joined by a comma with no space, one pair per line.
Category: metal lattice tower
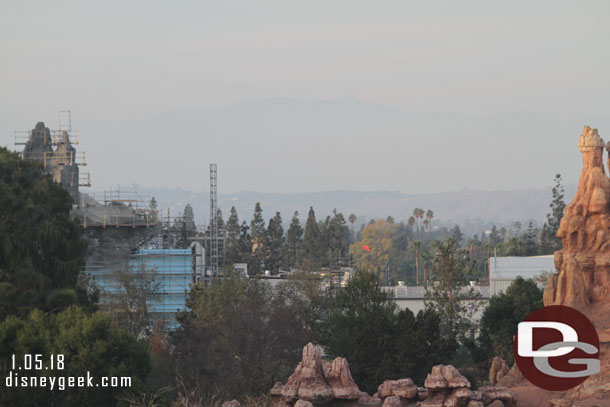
213,221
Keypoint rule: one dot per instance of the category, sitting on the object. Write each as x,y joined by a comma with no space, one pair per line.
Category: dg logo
557,348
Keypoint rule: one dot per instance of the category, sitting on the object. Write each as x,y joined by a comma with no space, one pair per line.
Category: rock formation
320,382
498,370
310,382
584,261
583,279
60,163
404,388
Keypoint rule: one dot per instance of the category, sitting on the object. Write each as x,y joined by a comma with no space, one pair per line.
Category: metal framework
213,221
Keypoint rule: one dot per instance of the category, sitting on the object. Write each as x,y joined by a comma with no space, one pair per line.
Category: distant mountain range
473,210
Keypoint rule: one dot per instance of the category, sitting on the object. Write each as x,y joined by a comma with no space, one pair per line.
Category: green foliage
258,237
294,236
549,240
501,317
41,251
233,252
447,295
275,244
311,239
240,337
90,343
364,326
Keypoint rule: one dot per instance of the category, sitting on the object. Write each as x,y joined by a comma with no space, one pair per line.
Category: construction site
126,231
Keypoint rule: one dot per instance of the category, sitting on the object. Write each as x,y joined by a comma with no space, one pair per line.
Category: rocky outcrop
60,163
513,378
404,388
340,380
584,264
322,382
583,278
445,376
498,370
311,381
308,381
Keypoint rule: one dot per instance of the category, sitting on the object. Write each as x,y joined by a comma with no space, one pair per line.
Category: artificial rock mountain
584,262
583,265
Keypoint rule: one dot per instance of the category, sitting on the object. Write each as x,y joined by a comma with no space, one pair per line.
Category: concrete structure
503,270
413,298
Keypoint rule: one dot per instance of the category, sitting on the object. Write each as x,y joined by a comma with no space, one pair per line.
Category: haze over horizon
317,96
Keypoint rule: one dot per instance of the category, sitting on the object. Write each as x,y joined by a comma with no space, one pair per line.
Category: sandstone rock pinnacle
584,262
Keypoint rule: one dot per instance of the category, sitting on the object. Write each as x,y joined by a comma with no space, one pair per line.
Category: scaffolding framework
213,220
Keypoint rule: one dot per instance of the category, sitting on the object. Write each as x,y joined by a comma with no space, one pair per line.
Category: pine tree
549,240
457,235
233,253
258,236
531,243
275,243
311,238
293,239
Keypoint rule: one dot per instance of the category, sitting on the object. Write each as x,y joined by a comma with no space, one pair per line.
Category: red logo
557,348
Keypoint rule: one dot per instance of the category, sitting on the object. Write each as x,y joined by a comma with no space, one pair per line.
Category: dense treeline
396,251
45,307
241,335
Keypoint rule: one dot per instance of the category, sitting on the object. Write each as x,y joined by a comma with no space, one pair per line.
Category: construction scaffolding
54,149
172,272
120,208
214,256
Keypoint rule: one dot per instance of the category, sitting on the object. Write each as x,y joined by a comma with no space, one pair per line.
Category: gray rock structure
59,163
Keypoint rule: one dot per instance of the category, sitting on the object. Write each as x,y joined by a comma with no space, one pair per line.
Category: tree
275,243
378,237
310,245
549,240
429,216
531,241
338,235
364,326
411,221
360,327
127,299
258,236
233,253
448,296
251,334
416,245
517,228
501,317
352,220
457,234
88,343
294,237
41,249
310,301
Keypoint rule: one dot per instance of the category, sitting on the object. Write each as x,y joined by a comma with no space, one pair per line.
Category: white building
414,299
503,270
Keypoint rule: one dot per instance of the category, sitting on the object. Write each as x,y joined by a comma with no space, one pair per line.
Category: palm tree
429,216
426,225
411,222
416,245
426,258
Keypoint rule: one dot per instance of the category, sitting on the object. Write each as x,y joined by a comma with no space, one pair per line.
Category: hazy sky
400,95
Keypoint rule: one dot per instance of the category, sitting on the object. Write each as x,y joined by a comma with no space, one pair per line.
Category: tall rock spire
584,262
